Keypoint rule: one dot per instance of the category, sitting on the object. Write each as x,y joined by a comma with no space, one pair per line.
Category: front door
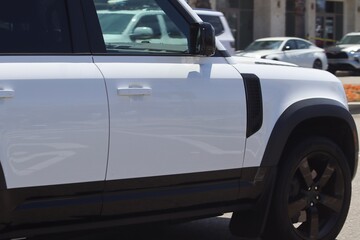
170,113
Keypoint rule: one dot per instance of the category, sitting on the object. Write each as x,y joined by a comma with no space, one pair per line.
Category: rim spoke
332,203
306,172
329,171
314,223
296,207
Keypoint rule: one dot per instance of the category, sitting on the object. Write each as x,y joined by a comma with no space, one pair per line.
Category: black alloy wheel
317,64
312,195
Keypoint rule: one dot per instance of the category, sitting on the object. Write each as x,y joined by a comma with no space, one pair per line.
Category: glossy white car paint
282,88
191,119
54,129
301,57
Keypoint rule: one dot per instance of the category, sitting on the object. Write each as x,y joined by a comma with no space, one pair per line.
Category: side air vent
253,103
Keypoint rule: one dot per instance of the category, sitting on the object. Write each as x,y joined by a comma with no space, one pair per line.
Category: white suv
96,134
221,26
346,54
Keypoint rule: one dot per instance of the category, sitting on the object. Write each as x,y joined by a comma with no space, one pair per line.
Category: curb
354,107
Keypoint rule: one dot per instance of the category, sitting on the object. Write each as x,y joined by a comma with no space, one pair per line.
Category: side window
291,45
172,30
139,27
37,26
150,22
302,44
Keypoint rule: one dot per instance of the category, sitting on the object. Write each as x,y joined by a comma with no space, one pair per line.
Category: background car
287,49
345,54
221,26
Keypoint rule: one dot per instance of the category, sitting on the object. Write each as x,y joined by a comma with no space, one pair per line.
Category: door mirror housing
142,33
202,39
287,48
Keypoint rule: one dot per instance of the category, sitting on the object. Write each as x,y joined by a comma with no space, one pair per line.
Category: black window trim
93,28
78,34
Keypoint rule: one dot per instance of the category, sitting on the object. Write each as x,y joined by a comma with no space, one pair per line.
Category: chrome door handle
7,93
134,91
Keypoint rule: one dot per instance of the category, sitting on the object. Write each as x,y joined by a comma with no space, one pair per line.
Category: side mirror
142,33
287,48
202,39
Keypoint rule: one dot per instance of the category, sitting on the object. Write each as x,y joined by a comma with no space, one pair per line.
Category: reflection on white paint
24,163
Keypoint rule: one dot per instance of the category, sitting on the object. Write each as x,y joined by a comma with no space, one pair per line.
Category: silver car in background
287,49
345,55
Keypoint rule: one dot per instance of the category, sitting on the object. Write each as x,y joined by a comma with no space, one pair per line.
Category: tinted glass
351,39
264,45
152,22
139,27
302,44
291,44
173,30
37,26
114,23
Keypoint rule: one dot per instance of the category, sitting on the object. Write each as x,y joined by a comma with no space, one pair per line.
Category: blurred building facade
321,21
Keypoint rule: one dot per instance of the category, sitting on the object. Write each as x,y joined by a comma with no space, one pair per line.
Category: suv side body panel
56,122
278,95
195,113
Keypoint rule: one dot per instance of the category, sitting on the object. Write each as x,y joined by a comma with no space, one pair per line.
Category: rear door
172,115
54,114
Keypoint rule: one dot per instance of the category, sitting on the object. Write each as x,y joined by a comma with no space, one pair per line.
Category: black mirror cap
202,39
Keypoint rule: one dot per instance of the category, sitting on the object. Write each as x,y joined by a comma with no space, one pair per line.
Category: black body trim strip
138,200
93,27
3,185
163,193
300,112
77,27
254,103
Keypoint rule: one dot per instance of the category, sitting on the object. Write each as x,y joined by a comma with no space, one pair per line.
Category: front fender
300,112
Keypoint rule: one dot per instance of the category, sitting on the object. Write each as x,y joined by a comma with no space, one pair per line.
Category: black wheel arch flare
301,112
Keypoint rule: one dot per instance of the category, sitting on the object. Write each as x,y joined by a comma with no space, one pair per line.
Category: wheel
312,195
317,64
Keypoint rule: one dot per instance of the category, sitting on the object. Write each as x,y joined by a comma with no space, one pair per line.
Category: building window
240,16
295,18
329,22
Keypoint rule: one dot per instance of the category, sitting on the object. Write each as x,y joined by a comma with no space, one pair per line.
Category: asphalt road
213,228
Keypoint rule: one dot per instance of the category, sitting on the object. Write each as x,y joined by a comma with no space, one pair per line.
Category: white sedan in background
287,49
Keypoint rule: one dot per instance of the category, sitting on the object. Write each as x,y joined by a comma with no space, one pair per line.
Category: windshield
264,45
114,23
350,39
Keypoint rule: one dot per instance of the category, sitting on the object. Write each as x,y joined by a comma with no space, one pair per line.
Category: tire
312,195
318,64
332,69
